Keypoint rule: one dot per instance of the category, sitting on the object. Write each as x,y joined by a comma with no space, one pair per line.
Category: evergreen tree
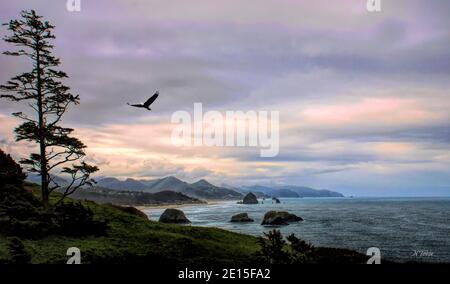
48,99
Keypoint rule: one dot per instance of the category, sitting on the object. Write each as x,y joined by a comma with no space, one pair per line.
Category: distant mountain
135,198
304,191
167,183
199,189
207,190
291,191
270,192
283,192
202,189
128,184
37,179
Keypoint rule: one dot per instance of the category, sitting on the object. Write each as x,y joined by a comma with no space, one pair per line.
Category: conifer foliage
48,100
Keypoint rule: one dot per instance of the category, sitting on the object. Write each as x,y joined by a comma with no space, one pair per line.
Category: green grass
133,239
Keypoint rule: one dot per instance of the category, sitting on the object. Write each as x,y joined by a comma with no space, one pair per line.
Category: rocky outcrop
130,210
241,217
276,200
174,216
250,198
278,218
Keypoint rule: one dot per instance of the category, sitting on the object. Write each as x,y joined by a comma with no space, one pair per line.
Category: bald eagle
147,103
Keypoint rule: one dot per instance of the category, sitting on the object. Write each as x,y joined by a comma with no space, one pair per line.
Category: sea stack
241,218
174,216
250,198
278,218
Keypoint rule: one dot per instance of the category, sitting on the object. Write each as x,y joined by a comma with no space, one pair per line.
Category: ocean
404,229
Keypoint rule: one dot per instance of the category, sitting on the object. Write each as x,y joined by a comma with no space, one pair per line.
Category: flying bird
147,103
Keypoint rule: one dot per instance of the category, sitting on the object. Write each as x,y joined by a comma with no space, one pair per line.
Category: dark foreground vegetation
107,234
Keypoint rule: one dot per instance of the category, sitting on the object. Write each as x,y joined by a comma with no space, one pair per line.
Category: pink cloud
391,111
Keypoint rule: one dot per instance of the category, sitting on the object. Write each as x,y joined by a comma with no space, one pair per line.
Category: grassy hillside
133,239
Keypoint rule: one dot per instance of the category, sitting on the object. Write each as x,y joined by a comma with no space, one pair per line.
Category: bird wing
151,100
136,105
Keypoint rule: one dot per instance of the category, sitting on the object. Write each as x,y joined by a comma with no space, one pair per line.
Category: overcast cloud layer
363,97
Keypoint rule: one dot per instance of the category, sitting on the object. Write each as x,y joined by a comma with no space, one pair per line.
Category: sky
363,97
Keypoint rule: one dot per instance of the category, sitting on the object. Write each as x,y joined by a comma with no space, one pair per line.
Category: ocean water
404,229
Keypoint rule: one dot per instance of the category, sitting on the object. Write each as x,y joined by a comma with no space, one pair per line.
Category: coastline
354,218
181,205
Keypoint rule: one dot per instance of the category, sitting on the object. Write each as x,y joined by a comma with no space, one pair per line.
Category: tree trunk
44,180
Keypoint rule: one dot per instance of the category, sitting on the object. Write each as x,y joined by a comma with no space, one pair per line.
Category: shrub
302,251
19,209
21,213
10,171
22,219
73,219
18,253
273,248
